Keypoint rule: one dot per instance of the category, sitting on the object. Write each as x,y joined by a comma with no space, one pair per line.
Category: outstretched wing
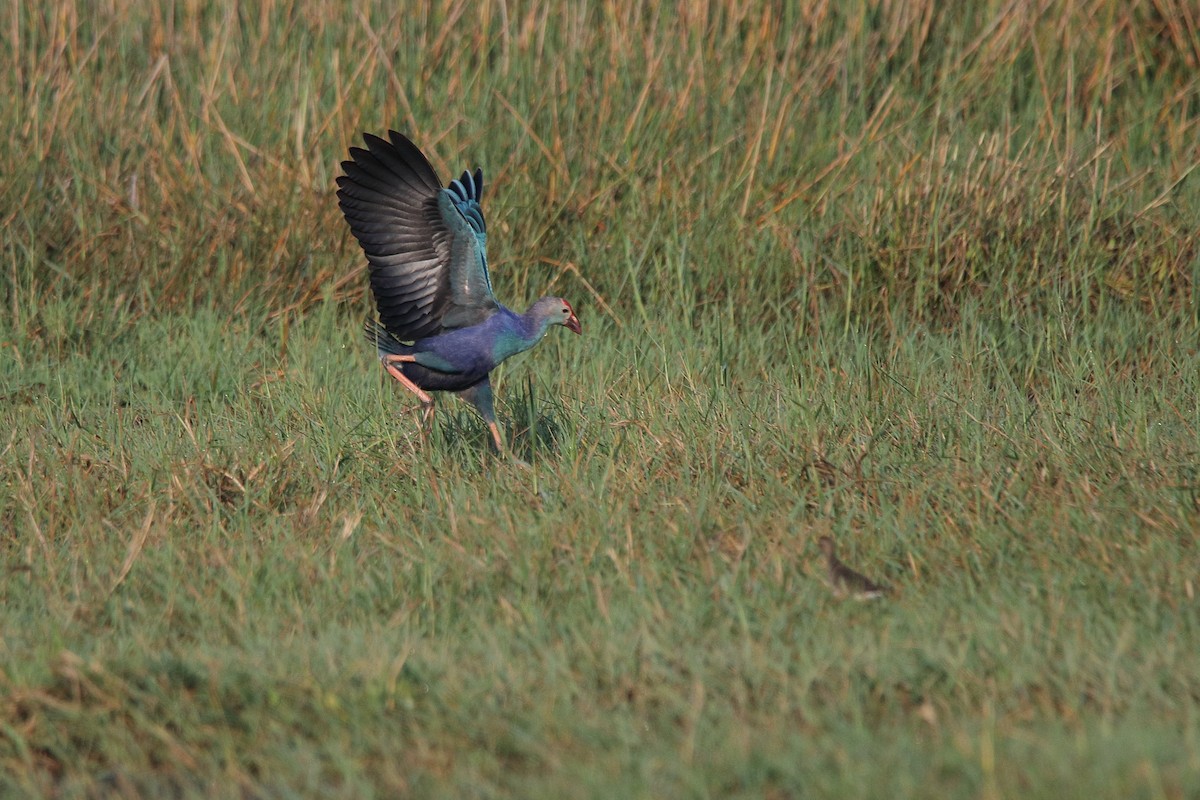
426,246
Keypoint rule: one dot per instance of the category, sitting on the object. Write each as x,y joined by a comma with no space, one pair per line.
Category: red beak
573,323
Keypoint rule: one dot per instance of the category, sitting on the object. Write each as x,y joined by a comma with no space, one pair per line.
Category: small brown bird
844,581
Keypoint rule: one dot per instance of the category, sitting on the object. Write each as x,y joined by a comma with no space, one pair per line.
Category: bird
844,581
440,327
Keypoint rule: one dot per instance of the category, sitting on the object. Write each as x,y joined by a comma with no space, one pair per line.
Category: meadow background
920,276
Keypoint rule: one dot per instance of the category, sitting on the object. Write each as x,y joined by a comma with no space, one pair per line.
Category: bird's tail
384,342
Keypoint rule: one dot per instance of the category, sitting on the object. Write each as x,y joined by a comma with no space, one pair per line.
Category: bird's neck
518,333
532,327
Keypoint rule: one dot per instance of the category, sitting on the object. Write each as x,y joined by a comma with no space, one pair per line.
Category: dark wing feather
426,245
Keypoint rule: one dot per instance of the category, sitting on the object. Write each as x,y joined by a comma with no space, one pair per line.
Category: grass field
919,276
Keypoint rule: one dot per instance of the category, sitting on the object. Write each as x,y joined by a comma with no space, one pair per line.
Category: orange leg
501,450
389,362
495,429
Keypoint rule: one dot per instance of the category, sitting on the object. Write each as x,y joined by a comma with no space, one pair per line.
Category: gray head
826,545
555,311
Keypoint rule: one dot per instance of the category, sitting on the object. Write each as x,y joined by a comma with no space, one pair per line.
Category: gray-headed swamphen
440,327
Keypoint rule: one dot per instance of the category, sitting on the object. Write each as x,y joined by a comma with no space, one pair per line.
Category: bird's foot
426,426
501,450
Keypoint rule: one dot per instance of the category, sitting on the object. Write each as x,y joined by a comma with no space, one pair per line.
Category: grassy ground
918,276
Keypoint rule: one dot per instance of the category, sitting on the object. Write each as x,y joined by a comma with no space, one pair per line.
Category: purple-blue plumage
479,348
459,358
